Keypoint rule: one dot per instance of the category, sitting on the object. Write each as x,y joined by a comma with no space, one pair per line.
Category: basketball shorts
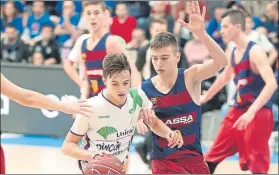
2,161
251,143
189,165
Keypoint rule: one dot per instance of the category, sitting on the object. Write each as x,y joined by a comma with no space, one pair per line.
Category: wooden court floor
50,160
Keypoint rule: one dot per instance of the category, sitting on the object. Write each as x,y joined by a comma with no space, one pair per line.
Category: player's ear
178,55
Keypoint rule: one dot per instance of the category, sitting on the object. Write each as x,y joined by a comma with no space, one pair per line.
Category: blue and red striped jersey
249,85
179,112
93,62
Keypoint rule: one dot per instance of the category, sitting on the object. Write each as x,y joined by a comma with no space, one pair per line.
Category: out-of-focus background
37,36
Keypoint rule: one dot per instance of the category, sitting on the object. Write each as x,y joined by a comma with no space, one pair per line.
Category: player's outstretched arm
161,129
34,99
197,26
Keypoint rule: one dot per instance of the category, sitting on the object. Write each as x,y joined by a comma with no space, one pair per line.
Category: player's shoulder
136,91
83,37
256,49
97,102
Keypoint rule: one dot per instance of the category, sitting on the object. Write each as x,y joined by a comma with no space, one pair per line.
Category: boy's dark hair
236,17
95,2
115,63
164,39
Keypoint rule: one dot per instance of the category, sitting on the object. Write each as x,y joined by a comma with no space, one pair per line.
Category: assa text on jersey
180,120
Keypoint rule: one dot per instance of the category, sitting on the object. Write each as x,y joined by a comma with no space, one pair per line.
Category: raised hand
196,22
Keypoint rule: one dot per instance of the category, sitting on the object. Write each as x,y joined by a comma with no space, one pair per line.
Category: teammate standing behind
249,123
116,110
175,94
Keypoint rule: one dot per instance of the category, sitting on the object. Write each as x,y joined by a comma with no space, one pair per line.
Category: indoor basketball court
42,155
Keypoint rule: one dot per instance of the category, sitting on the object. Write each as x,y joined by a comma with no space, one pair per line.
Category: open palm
196,22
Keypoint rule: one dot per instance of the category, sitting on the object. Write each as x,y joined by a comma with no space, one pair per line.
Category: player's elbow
28,99
65,148
67,66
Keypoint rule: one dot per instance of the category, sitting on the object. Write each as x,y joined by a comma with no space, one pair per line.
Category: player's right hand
175,139
141,127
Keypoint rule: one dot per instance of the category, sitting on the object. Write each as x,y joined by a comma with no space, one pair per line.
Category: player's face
95,16
229,31
118,85
165,60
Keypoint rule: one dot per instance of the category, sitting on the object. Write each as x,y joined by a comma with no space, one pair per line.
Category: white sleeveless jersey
111,128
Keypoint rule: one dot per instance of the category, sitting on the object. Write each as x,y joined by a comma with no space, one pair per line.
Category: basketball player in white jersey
115,112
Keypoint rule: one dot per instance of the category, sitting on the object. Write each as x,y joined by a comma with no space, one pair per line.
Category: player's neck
169,79
96,35
241,41
114,101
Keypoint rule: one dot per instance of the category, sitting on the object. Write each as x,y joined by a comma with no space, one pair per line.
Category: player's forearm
76,152
38,100
218,84
215,51
264,96
71,72
160,128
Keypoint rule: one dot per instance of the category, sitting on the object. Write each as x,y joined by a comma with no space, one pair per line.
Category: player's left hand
175,139
196,22
244,120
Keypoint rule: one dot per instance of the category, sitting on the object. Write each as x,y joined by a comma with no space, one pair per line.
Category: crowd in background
43,33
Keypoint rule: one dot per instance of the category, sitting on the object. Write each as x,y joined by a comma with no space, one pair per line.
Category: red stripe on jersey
181,120
95,55
246,98
180,154
171,100
94,76
245,81
189,139
241,66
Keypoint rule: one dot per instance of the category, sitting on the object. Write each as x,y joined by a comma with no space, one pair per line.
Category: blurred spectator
255,8
272,24
182,33
46,51
256,19
214,26
77,7
35,22
138,39
195,51
13,49
68,23
158,8
138,9
11,15
143,61
122,23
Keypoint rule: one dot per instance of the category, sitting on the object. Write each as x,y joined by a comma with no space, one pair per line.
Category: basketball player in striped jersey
116,110
175,94
90,49
248,125
36,100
